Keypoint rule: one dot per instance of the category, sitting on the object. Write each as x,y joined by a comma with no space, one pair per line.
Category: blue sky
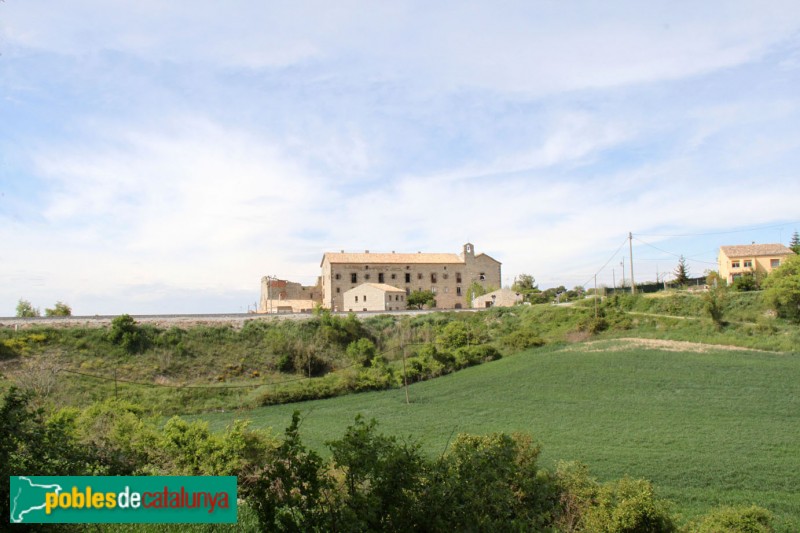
160,157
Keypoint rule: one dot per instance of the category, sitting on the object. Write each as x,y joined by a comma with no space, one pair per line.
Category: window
735,264
458,277
408,277
445,276
482,276
419,276
338,276
394,276
447,289
408,291
458,291
774,263
433,277
338,290
380,277
353,278
356,298
366,276
396,298
748,263
433,290
365,297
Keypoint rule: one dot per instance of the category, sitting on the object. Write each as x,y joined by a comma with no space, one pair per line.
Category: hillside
232,366
707,425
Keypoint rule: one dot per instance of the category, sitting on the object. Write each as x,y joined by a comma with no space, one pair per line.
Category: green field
707,427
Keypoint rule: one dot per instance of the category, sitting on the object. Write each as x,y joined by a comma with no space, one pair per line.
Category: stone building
449,276
374,297
282,296
750,259
498,298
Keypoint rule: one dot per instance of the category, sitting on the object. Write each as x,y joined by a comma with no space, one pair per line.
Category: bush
361,351
782,289
381,480
475,355
521,339
751,519
126,333
288,489
628,506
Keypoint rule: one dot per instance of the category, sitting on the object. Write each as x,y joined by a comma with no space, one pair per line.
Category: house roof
392,258
754,250
381,286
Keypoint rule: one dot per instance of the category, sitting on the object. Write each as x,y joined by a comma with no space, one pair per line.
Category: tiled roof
382,258
754,250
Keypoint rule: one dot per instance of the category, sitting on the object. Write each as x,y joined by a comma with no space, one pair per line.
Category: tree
60,309
782,289
682,272
715,300
26,310
418,299
125,332
526,285
795,243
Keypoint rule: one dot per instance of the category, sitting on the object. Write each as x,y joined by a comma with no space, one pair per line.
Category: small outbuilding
374,297
498,298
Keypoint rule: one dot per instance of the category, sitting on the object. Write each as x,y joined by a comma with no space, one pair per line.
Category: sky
161,157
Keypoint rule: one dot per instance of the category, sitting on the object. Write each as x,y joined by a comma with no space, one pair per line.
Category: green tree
361,351
782,289
289,491
418,299
681,272
26,310
715,303
60,309
126,333
795,242
526,285
383,480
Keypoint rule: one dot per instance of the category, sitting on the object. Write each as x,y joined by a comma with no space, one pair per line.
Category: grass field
707,426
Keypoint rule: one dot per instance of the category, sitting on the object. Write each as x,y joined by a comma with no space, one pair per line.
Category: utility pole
623,273
595,296
630,249
405,376
614,278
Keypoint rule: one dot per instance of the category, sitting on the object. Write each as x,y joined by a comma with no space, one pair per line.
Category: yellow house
734,261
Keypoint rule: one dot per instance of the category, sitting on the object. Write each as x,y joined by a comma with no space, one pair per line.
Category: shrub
126,333
628,506
782,289
751,519
491,483
522,339
288,490
381,480
454,335
361,351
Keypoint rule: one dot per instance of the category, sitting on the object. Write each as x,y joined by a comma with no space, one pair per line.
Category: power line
606,263
745,230
671,253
